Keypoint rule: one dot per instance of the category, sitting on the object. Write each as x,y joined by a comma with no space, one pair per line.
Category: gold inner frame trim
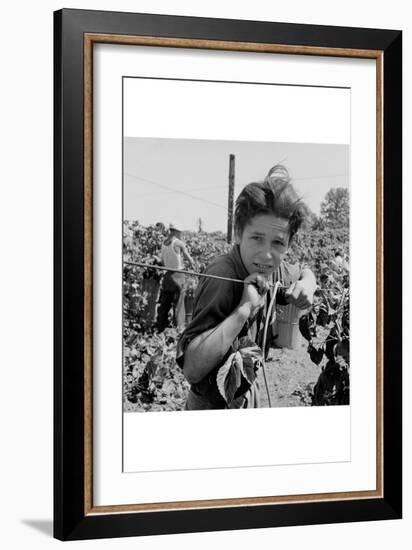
89,40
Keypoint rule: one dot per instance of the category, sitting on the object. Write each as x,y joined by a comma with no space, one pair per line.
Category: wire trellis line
208,275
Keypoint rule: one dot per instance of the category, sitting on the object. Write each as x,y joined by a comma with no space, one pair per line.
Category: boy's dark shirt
214,301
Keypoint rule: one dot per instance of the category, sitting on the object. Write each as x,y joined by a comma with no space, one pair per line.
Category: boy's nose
267,253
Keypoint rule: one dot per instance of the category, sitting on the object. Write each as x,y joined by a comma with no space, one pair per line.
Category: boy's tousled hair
274,195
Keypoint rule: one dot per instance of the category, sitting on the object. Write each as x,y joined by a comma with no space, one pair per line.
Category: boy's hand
300,294
253,296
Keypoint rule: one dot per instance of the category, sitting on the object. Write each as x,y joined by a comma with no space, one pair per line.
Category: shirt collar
241,271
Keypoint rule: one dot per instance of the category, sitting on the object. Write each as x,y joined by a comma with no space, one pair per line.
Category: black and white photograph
236,262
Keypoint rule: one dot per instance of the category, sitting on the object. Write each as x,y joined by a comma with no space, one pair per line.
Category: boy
228,317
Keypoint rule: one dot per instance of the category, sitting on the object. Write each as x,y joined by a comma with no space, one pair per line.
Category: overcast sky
181,180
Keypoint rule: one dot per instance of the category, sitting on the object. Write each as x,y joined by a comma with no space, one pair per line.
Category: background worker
173,253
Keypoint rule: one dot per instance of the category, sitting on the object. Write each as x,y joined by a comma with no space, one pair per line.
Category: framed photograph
227,274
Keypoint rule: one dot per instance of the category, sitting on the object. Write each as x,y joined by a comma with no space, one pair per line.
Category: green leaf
316,354
323,316
342,349
252,361
229,377
246,342
250,369
304,327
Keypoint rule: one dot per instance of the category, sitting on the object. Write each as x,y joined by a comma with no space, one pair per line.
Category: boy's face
263,243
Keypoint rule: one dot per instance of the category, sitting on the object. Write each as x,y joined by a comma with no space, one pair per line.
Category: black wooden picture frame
75,31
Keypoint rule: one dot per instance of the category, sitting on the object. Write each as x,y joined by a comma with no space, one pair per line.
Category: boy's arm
206,350
301,293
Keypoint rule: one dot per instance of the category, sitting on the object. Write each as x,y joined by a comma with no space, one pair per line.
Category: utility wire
183,189
320,177
176,191
181,192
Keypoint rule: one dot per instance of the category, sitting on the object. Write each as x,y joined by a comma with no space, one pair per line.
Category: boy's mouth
263,268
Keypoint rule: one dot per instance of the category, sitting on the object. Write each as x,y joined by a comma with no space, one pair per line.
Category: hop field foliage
151,378
331,310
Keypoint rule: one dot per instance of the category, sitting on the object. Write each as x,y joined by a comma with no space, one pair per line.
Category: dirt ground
291,376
